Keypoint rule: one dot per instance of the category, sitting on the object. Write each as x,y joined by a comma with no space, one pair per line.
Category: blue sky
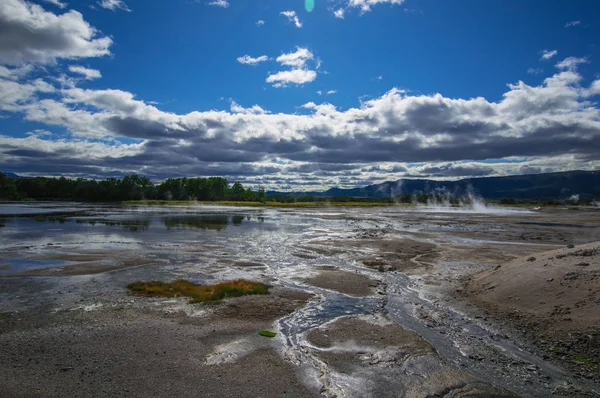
354,92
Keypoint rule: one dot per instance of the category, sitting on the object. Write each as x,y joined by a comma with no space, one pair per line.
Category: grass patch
587,361
3,317
267,333
198,293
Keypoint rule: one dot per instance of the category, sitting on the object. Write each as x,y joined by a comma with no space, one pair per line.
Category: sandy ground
125,352
554,295
350,283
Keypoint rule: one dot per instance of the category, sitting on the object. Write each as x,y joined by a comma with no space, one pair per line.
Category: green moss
3,318
267,333
587,361
198,293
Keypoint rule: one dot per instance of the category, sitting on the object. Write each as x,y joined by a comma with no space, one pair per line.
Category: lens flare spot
309,5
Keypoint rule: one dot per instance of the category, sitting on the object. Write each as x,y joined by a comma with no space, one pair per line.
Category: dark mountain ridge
560,185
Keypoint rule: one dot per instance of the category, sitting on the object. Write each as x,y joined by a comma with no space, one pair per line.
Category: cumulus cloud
295,76
547,54
299,72
331,92
571,63
248,60
254,109
15,96
89,74
292,17
57,3
260,22
297,58
594,89
31,34
547,127
219,3
339,13
365,5
572,23
114,5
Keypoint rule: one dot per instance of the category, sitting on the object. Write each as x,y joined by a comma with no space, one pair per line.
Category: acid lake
371,297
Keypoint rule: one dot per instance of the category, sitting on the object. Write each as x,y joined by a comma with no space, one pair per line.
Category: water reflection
128,225
215,222
128,222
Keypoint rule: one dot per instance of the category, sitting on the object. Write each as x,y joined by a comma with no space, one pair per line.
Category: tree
237,192
8,188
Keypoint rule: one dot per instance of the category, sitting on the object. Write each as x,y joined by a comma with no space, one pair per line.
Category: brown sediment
350,283
553,297
398,254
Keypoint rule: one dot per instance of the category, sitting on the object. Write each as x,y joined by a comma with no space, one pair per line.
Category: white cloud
552,126
296,59
547,54
571,63
16,96
248,60
114,5
339,13
89,74
319,92
572,23
331,92
219,3
365,5
15,73
253,110
57,3
594,89
49,36
260,22
292,17
535,71
295,76
379,77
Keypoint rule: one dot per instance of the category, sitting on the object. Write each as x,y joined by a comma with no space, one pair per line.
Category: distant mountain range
562,185
10,175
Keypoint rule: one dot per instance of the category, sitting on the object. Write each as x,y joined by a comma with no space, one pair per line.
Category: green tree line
131,187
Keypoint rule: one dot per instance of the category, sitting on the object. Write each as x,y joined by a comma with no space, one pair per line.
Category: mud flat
375,357
345,282
364,303
154,351
553,298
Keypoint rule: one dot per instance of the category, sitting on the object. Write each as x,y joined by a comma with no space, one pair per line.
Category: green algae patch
267,333
198,293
